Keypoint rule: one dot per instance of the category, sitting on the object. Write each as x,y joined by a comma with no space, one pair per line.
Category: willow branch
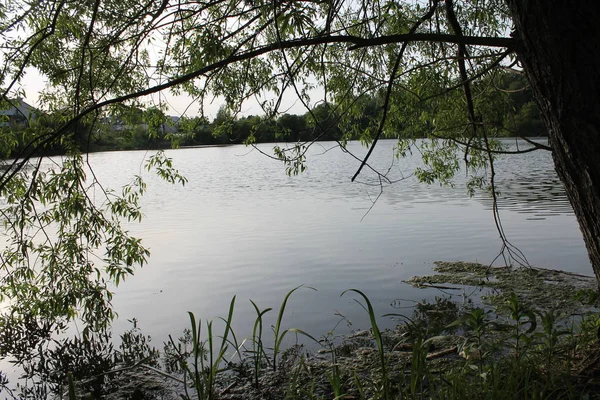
475,147
388,95
535,144
355,41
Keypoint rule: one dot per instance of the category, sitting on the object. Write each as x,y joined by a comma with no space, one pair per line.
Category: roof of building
19,109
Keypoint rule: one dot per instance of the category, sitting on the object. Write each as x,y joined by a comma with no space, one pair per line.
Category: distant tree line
130,127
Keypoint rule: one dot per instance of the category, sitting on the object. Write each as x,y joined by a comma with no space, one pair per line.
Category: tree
561,66
323,118
424,68
293,126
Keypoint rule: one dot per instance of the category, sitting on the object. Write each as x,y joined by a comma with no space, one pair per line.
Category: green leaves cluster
67,247
343,61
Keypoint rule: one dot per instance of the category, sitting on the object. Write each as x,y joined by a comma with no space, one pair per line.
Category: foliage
479,359
66,248
91,364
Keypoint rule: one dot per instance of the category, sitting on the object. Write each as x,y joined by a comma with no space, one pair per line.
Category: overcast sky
181,105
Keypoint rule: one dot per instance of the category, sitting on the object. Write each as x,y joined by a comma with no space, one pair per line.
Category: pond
242,227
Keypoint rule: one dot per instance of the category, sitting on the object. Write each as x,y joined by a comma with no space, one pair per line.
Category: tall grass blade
378,341
197,355
258,352
297,331
277,337
71,383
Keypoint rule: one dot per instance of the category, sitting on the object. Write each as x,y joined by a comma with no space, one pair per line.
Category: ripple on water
242,226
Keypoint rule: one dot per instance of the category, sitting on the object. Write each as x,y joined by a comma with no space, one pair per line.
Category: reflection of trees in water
539,194
530,195
526,184
530,186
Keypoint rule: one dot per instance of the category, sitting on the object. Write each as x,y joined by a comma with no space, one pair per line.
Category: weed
522,316
205,362
259,356
400,366
385,384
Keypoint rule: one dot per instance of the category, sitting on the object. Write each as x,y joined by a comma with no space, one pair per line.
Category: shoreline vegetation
134,128
522,333
462,75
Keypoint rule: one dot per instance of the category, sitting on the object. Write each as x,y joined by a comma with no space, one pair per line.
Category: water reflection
242,227
528,184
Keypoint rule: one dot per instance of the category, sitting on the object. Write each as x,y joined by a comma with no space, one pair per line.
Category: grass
385,384
201,365
513,352
258,354
279,335
442,351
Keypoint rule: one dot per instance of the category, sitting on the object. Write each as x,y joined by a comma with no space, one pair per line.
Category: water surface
241,226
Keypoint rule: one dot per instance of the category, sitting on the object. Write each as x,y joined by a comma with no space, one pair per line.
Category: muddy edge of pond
540,289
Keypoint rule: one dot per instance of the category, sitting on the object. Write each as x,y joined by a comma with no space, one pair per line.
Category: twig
442,353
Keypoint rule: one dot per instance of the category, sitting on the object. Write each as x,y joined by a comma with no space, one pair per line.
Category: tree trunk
560,54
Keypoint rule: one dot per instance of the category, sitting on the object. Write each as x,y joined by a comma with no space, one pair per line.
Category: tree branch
433,38
535,144
386,104
357,42
474,147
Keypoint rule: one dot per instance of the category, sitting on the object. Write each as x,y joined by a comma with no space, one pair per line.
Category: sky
178,105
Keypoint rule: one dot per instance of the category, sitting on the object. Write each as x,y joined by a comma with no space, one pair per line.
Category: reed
258,354
204,358
511,351
278,334
385,384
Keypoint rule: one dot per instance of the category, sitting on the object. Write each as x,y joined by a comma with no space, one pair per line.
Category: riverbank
530,333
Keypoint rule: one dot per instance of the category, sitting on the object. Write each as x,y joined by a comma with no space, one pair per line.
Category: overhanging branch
435,38
475,147
355,42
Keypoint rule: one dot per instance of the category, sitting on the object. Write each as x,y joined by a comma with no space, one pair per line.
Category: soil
308,374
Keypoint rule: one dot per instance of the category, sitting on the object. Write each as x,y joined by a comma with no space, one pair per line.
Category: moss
543,289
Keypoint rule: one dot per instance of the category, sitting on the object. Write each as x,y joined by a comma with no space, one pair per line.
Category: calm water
242,227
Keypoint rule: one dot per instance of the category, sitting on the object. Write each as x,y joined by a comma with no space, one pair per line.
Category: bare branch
386,104
535,144
471,146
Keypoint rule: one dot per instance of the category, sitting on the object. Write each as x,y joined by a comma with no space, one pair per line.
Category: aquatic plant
204,358
511,350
